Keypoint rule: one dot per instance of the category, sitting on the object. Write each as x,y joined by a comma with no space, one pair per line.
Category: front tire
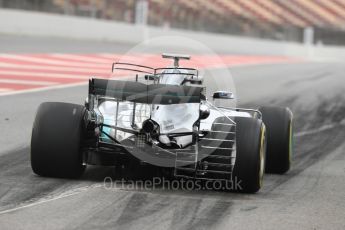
56,140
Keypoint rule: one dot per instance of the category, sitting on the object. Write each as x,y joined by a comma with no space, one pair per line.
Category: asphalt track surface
310,196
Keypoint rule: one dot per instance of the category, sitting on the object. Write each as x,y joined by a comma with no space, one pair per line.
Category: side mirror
223,95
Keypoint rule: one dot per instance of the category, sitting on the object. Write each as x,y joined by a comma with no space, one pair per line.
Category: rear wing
154,71
141,93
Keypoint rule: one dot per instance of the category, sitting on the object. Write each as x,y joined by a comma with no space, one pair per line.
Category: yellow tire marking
262,165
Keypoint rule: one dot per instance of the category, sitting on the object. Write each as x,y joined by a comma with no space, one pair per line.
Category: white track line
24,82
47,199
82,58
48,75
50,62
115,58
60,86
55,68
4,90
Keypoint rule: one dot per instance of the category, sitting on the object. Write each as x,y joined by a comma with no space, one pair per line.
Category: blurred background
320,22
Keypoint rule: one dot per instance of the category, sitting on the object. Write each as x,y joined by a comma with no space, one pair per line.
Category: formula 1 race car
162,118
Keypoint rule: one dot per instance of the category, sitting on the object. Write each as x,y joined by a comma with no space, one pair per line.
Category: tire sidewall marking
261,155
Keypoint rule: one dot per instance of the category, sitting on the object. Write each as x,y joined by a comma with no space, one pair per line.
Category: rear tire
279,125
247,174
250,154
56,140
